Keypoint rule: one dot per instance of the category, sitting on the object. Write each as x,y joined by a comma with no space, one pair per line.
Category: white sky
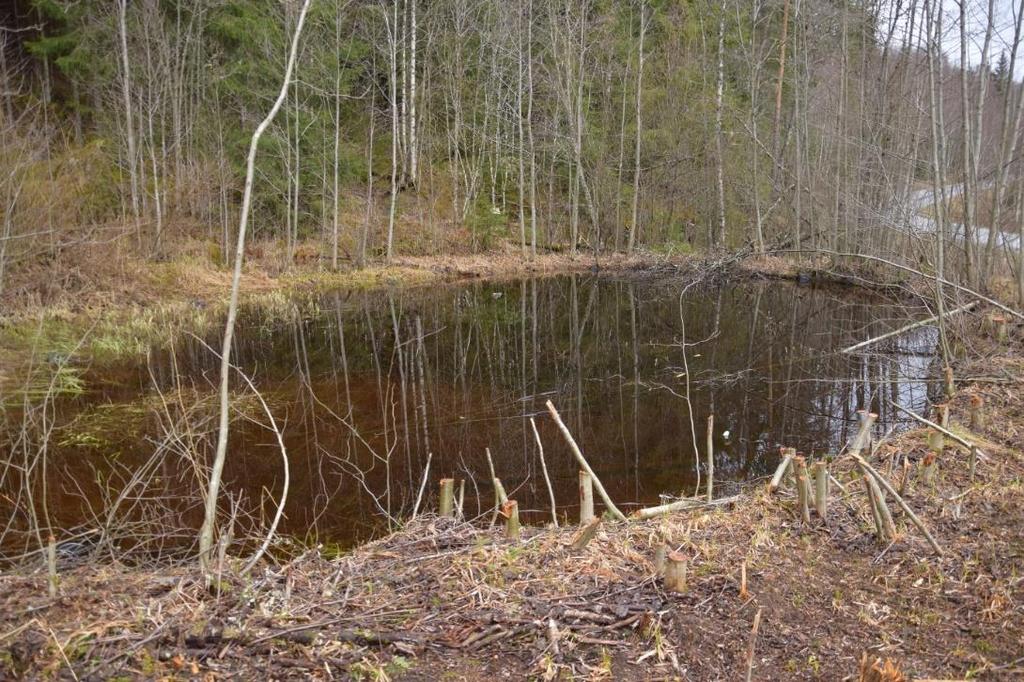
1003,11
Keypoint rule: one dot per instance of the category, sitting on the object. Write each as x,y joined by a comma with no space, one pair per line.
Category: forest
549,339
456,126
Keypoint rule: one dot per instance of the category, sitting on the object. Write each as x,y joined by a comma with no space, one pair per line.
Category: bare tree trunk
210,516
529,133
129,125
938,155
781,77
522,136
368,217
337,138
1008,140
393,44
413,144
635,225
720,86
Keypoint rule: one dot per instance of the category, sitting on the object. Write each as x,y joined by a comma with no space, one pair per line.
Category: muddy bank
441,599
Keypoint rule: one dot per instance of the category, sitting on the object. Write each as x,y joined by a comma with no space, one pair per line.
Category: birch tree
207,531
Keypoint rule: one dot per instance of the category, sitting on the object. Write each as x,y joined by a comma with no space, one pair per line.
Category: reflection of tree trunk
635,346
790,358
746,435
344,356
402,388
420,352
522,364
309,402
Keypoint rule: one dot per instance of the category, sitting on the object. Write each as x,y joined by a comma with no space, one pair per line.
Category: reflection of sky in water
360,378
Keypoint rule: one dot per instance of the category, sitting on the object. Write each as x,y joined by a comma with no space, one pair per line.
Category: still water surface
365,385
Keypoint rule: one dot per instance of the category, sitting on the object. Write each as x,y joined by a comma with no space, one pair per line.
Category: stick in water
711,456
423,485
913,325
583,463
547,479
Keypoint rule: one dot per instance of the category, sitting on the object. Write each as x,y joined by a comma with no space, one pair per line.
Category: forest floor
441,599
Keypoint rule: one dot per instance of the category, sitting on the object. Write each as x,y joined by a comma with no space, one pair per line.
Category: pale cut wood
711,457
821,486
511,511
928,467
803,490
780,471
905,479
423,486
51,565
903,505
660,554
544,468
586,534
883,515
682,505
460,499
583,462
977,413
863,437
948,383
946,432
586,498
676,566
447,491
873,506
751,645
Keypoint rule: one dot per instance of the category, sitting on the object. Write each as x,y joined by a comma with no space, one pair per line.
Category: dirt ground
448,600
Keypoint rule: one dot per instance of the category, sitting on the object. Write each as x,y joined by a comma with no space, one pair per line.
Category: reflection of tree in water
367,384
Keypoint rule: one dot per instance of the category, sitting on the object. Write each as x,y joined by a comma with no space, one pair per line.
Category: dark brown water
365,385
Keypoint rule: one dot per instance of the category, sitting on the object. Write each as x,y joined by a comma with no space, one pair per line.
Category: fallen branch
547,479
912,271
423,485
899,500
751,643
583,463
907,328
963,441
682,505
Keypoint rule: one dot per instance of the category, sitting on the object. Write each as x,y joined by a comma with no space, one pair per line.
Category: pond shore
441,599
122,307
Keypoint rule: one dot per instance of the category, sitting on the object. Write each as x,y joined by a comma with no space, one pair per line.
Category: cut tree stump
676,566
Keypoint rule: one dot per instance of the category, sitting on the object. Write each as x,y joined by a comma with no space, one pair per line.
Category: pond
364,386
